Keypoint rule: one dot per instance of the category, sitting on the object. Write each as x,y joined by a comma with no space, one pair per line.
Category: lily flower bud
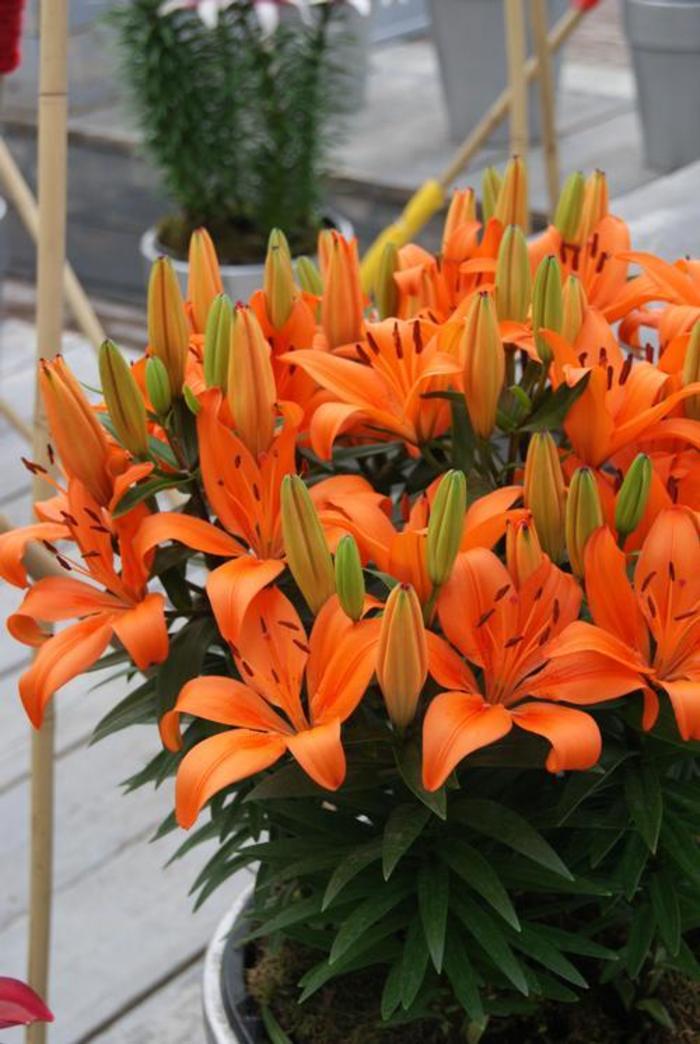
545,494
251,389
490,190
524,553
309,276
158,386
512,207
595,204
547,304
574,303
446,525
342,310
513,279
691,372
123,399
584,514
567,217
461,211
349,578
402,655
305,545
204,277
484,364
217,342
278,284
633,495
386,292
75,430
167,322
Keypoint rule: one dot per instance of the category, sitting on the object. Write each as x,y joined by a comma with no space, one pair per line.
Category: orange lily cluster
468,502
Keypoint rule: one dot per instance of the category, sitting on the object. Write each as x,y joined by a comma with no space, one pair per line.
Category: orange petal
63,598
485,521
345,675
327,423
351,382
14,543
685,699
233,586
456,725
192,532
612,601
447,667
574,735
61,658
320,753
588,665
219,762
223,700
143,632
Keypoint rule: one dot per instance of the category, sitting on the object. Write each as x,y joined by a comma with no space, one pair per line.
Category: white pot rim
215,1015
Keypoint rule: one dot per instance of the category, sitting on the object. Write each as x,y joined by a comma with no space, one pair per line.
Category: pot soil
236,242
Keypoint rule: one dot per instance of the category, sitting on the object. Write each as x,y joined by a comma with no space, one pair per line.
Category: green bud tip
446,525
349,578
633,495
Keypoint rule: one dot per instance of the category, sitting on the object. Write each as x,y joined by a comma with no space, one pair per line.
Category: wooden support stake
53,149
539,21
26,206
516,50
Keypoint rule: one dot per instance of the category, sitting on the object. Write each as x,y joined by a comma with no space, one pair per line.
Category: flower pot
223,983
392,20
664,38
240,281
470,40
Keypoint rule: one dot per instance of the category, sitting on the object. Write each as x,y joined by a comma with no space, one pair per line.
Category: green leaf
351,866
503,825
292,913
287,782
491,939
433,904
576,942
686,962
144,491
366,914
664,901
635,857
659,1012
413,964
138,708
272,1027
391,994
550,415
582,785
681,846
408,761
536,945
640,935
645,802
404,826
185,659
473,868
462,976
371,948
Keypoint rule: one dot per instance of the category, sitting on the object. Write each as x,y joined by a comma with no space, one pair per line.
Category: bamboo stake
26,206
516,49
558,36
538,12
53,148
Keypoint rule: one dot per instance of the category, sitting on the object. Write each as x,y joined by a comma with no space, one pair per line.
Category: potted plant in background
419,639
237,104
664,40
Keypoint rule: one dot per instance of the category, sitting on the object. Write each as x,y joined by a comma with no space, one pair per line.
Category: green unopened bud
595,204
584,514
513,280
574,304
217,342
386,293
158,386
633,495
191,401
547,304
512,207
545,494
168,336
309,276
349,578
490,190
308,557
691,372
567,218
278,284
446,525
123,399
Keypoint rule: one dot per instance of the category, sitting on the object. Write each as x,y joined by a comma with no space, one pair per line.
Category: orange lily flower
266,715
677,285
510,635
658,616
381,393
120,607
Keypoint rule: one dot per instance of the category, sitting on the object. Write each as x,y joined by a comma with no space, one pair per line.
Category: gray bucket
664,38
470,40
